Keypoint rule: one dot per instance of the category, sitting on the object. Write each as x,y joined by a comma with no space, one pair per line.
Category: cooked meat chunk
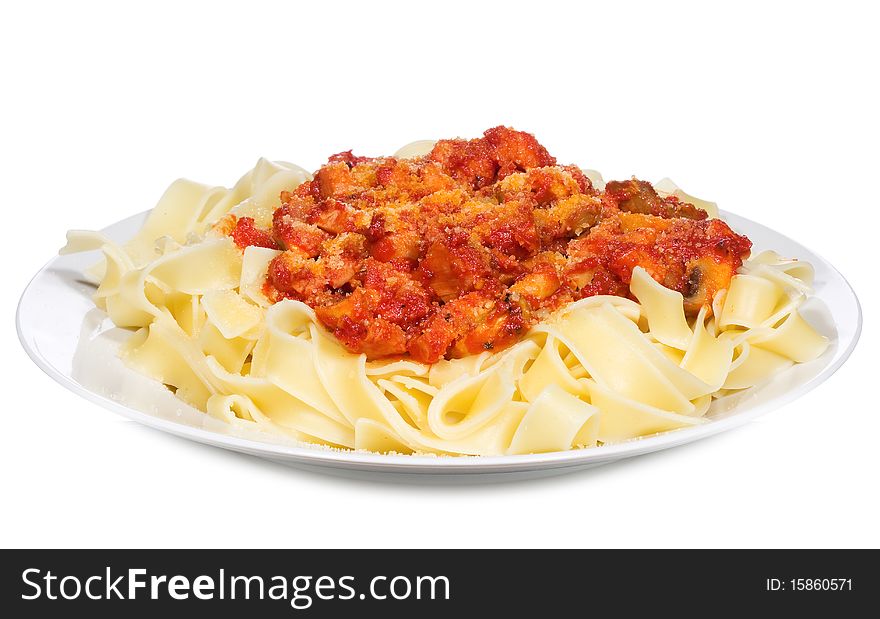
635,196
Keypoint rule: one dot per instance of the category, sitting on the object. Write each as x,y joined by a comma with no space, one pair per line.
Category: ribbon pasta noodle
601,370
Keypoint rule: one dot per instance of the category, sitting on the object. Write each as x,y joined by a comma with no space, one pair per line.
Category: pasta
600,370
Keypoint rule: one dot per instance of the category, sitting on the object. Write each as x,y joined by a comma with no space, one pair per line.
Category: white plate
74,343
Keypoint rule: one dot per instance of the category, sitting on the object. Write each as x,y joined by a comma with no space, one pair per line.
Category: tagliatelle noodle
601,370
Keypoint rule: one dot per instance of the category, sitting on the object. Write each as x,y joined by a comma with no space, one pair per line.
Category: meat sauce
462,250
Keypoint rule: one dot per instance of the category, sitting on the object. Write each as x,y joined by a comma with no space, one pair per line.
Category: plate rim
322,456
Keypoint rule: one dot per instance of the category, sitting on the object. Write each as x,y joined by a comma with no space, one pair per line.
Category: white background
771,109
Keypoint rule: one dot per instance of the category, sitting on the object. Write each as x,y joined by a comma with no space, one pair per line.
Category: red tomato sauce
464,249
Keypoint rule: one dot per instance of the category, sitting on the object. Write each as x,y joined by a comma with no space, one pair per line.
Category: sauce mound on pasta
462,250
